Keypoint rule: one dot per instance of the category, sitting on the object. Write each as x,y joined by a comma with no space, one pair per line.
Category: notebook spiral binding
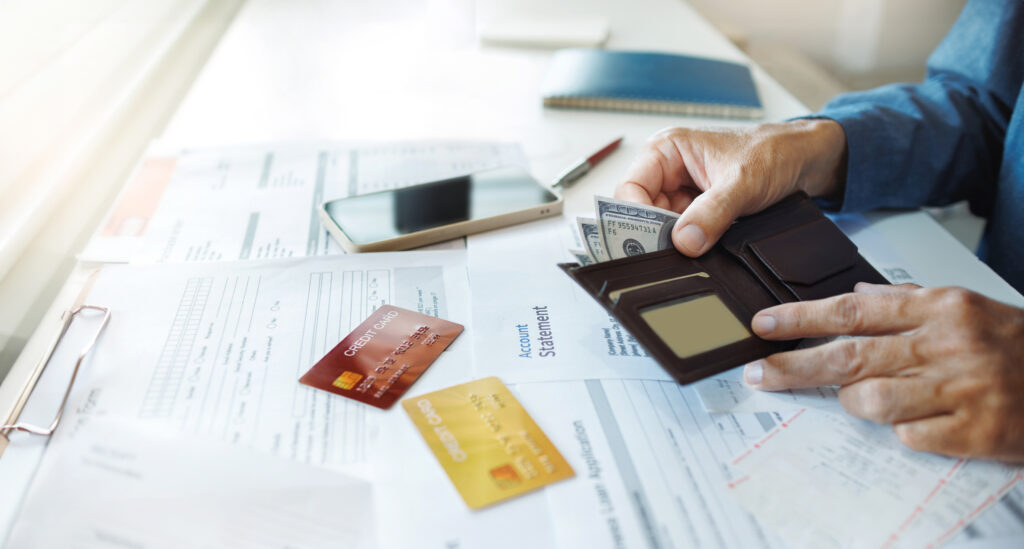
656,107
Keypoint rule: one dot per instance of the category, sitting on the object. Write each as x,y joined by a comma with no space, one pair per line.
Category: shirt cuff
866,160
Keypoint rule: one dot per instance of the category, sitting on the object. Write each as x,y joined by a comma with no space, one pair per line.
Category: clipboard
12,422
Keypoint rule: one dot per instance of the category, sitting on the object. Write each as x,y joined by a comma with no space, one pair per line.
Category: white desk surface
410,69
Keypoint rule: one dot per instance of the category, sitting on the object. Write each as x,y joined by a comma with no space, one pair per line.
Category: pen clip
571,174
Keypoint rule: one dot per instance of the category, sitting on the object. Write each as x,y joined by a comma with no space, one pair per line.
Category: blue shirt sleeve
940,141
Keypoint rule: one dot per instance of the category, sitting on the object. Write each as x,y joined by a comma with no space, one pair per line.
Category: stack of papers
201,361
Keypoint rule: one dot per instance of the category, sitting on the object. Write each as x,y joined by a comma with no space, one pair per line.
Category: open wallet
693,315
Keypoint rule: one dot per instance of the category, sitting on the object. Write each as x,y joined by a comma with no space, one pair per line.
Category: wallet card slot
805,257
617,288
795,211
601,278
677,289
594,277
778,289
694,326
618,283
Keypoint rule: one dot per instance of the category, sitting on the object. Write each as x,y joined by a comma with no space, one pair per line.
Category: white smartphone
423,214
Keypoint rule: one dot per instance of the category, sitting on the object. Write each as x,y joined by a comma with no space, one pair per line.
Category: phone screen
385,215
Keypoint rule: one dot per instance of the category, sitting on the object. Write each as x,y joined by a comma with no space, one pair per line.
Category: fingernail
753,373
692,238
763,324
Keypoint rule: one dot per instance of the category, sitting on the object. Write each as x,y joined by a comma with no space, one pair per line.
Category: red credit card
380,359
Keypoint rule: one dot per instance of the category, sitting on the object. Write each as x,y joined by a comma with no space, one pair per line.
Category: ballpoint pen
583,165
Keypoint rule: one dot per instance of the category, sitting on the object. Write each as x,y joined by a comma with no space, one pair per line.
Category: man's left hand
944,366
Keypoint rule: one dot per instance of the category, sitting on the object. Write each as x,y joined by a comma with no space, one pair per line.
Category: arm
941,365
939,141
898,146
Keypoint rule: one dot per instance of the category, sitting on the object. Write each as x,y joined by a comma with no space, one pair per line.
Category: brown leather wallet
693,315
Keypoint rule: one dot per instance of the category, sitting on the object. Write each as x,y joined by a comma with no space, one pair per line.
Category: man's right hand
713,177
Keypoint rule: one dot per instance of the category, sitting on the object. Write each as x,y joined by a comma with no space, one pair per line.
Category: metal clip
12,422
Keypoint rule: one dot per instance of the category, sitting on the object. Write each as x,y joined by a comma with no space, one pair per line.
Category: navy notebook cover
650,82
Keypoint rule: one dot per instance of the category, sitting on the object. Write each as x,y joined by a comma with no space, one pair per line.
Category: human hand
713,177
943,366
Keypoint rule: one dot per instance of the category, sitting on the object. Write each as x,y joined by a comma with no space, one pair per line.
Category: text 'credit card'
381,358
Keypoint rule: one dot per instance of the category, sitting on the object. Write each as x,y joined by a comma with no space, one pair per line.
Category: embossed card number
485,441
383,356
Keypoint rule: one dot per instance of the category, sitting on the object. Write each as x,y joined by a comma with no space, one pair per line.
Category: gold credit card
490,447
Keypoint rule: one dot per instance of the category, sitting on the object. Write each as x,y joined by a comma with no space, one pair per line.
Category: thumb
706,219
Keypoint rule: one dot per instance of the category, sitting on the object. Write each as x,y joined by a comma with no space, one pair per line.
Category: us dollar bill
628,228
576,240
590,232
582,257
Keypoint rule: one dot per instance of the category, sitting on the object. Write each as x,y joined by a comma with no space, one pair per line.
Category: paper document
879,237
727,392
830,480
651,472
651,465
216,350
260,202
873,245
1000,526
536,324
111,483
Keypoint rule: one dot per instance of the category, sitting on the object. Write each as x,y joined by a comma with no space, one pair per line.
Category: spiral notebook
650,82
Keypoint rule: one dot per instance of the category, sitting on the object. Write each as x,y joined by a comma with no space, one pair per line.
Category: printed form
536,324
216,350
651,465
261,201
1001,526
816,476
